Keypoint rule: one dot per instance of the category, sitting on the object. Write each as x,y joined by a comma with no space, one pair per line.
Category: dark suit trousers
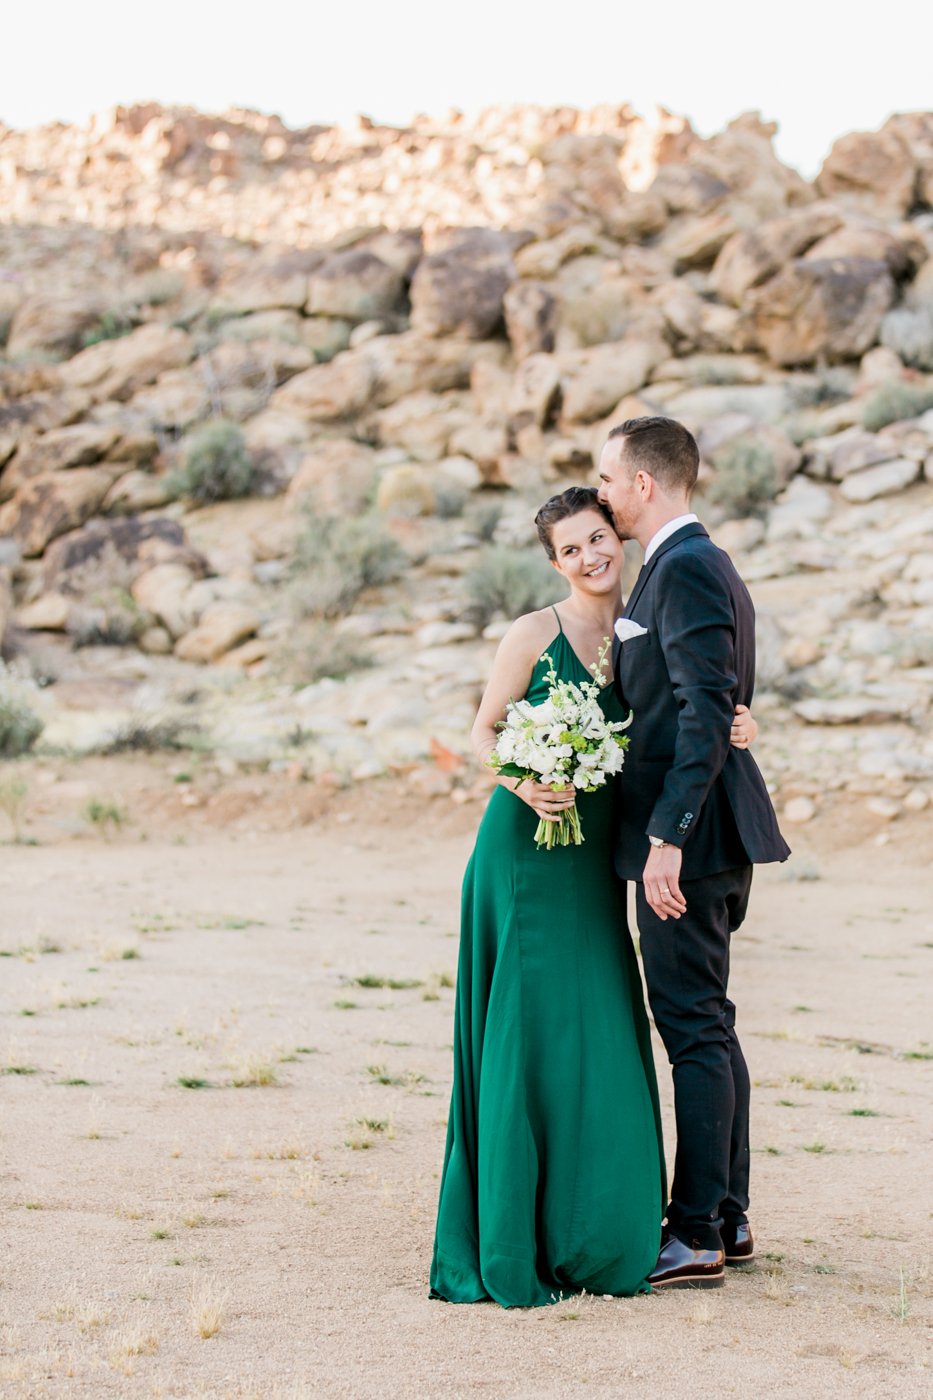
686,965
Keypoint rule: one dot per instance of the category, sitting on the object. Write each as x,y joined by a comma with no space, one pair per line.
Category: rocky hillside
276,408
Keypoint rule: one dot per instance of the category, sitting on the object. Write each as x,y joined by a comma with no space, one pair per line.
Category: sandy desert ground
226,1063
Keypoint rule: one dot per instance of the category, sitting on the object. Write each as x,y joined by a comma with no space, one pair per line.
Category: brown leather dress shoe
738,1243
681,1266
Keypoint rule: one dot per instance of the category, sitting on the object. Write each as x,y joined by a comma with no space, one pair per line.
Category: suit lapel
686,532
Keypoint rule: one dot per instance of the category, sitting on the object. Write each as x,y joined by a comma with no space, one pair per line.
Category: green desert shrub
110,619
336,558
895,401
909,333
217,464
20,726
746,479
316,652
510,582
111,326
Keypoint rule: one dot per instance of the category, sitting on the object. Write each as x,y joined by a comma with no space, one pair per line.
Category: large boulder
115,369
23,418
52,325
355,284
49,505
177,399
57,450
874,170
458,288
535,392
900,247
378,373
335,475
328,392
223,625
830,309
594,380
530,318
742,157
165,591
696,242
268,283
755,254
423,423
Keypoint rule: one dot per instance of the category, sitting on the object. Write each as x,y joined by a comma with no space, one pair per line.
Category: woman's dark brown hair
570,502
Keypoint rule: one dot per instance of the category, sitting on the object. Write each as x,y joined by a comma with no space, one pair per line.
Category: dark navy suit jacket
682,780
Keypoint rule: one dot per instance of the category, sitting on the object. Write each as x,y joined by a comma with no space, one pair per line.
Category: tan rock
269,283
135,492
48,613
356,285
155,641
57,450
636,216
813,310
406,490
222,626
328,392
917,800
483,442
872,169
106,555
115,369
162,591
23,418
755,254
884,807
248,653
52,325
882,480
530,318
686,189
901,248
535,390
696,243
176,400
594,380
336,474
423,423
6,600
799,810
49,505
458,289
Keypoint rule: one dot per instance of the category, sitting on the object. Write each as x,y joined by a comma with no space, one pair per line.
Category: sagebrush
507,582
218,465
336,558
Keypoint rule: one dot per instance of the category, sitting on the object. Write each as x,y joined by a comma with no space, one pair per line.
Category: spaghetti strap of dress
557,615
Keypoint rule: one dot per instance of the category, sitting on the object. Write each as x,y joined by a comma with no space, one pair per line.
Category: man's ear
645,485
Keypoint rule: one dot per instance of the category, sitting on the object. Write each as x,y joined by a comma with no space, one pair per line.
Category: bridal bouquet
565,741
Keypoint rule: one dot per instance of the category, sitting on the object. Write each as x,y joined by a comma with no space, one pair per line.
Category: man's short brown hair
663,448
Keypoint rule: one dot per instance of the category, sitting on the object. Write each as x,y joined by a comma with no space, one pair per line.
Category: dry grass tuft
207,1307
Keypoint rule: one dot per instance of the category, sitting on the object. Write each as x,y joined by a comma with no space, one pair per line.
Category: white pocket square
626,629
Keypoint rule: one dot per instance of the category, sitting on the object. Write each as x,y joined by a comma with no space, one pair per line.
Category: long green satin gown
553,1178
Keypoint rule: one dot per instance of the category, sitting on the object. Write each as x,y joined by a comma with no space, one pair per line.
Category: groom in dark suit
694,817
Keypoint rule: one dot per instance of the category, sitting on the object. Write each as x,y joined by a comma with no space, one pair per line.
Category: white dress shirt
665,532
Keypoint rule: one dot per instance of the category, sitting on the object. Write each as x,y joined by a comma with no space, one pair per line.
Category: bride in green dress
553,1178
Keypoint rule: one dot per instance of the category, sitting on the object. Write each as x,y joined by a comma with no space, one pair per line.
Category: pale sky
816,67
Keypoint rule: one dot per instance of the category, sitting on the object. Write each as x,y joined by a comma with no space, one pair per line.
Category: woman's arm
515,660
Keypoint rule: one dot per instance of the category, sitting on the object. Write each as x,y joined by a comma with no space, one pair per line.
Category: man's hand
662,882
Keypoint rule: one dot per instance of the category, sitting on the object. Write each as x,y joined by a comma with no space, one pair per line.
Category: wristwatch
656,841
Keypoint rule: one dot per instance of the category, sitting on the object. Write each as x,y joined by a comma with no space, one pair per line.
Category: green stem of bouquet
567,831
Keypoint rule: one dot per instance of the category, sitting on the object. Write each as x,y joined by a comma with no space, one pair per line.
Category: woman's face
588,552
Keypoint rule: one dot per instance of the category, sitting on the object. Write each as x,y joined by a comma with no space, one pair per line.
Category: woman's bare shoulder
532,631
